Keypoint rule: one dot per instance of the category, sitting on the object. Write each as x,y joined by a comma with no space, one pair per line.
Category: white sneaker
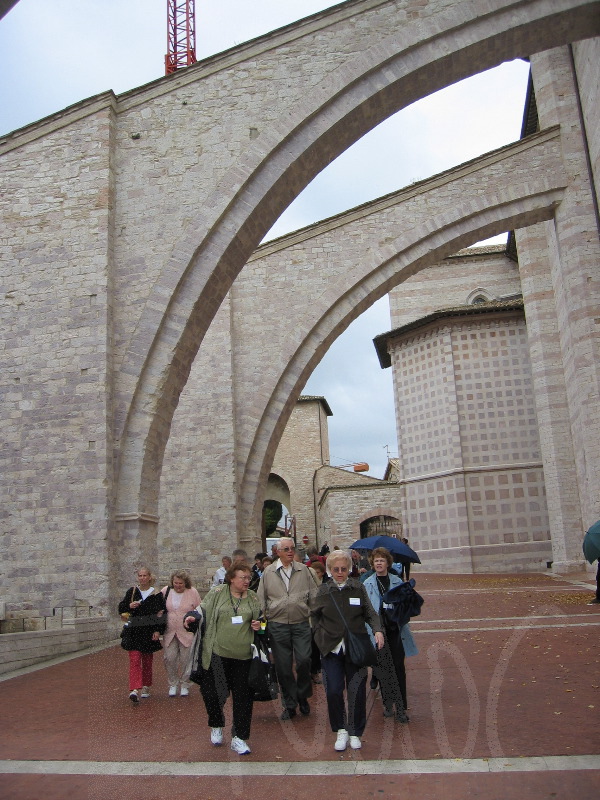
239,746
145,691
355,742
184,691
172,691
342,740
133,696
216,736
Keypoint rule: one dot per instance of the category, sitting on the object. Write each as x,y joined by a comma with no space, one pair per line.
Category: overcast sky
58,52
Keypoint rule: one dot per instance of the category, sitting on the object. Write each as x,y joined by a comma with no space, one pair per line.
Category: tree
273,512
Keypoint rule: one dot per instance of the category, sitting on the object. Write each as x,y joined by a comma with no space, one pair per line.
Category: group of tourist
310,611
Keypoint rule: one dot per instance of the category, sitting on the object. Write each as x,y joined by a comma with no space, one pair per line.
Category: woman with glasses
343,603
232,615
390,670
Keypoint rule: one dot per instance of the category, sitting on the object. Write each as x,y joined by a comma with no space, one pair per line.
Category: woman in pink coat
181,598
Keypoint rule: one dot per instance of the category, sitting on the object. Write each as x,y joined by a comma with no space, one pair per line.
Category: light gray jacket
280,604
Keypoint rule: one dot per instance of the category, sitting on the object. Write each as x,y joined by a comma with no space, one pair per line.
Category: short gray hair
284,539
339,555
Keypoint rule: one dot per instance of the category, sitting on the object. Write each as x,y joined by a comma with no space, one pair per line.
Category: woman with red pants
142,608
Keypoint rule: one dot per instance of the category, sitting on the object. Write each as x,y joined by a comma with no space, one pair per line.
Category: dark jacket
143,622
328,626
404,602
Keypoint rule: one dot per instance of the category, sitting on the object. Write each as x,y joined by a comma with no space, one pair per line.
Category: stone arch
430,240
278,489
418,57
479,295
380,523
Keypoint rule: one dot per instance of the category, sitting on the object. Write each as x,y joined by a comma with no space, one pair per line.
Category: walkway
504,701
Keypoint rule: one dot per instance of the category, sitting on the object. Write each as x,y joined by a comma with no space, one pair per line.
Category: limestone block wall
586,57
303,449
56,302
573,251
342,509
477,270
468,444
18,650
198,521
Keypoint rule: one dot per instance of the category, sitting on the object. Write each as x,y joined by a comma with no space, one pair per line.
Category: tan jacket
281,605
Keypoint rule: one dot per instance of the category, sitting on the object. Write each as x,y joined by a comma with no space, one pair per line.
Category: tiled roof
492,306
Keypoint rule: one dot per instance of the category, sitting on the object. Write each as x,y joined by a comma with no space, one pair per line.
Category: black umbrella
400,551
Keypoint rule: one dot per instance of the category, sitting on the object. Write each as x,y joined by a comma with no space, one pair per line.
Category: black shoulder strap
338,608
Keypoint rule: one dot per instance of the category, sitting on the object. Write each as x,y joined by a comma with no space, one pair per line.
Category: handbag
358,645
196,671
262,678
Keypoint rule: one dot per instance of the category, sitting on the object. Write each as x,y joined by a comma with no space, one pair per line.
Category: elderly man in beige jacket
285,591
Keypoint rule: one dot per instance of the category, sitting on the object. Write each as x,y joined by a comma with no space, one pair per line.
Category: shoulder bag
358,645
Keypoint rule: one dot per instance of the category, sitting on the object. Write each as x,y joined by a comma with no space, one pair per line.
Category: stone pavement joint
393,767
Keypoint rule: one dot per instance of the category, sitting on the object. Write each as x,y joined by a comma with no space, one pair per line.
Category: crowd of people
326,621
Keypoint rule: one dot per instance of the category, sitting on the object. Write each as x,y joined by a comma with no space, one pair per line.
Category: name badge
387,605
355,601
237,620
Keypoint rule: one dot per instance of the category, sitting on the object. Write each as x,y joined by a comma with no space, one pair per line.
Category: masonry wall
572,255
303,448
462,275
56,211
342,509
469,445
198,522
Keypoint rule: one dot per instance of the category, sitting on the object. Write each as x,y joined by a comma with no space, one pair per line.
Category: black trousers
341,675
390,669
227,675
291,646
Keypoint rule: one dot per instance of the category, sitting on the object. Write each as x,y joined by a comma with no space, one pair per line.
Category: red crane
181,35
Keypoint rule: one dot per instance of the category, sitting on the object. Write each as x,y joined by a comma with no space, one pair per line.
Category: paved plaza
504,700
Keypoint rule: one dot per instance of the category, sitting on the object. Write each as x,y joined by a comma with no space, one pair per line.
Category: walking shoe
304,707
216,736
593,602
145,691
288,713
172,691
184,691
239,746
133,696
355,742
342,740
401,715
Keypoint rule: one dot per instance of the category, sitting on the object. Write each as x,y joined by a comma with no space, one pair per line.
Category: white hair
284,539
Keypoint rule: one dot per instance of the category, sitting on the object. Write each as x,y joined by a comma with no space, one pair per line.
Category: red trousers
140,669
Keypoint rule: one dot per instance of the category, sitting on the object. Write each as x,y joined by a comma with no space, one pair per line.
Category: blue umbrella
591,543
399,550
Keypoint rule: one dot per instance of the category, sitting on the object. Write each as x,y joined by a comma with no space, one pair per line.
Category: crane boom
181,35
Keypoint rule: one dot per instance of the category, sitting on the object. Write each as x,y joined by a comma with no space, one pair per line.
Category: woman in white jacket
181,598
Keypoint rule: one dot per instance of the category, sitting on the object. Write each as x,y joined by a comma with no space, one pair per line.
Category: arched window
479,295
381,526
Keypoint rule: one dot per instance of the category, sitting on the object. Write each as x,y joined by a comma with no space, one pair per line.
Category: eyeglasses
287,549
339,569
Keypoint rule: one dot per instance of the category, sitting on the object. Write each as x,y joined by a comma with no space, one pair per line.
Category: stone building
469,467
126,221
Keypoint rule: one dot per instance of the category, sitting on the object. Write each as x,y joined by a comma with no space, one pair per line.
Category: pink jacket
189,600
